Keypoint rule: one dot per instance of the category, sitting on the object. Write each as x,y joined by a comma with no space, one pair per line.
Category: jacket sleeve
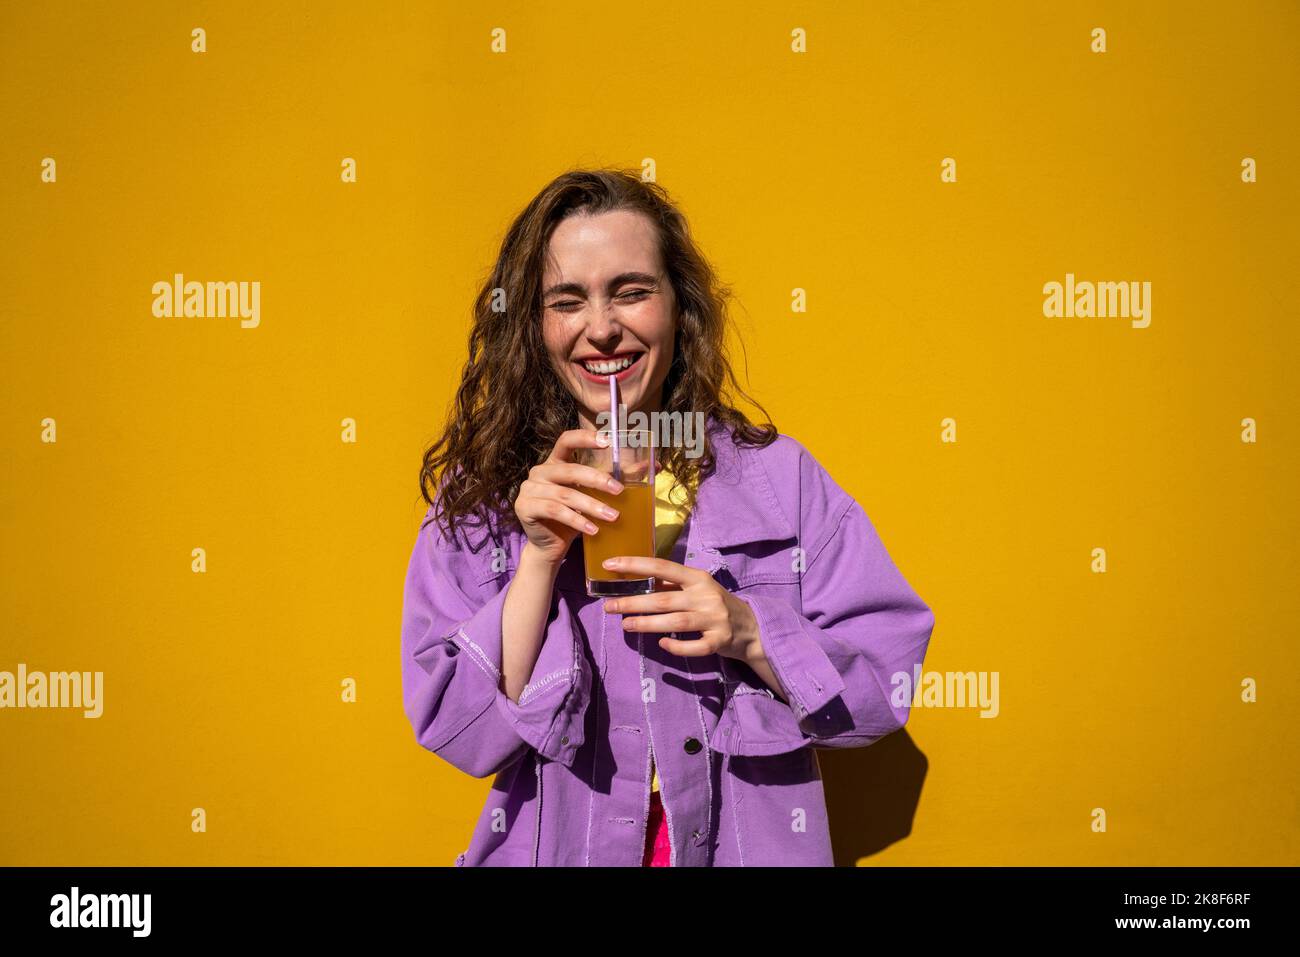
451,667
861,626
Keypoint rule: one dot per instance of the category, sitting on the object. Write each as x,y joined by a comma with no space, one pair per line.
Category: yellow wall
820,171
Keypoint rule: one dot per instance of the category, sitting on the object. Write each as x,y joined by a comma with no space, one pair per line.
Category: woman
675,728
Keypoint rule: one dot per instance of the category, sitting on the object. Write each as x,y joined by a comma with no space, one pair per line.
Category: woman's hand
551,509
694,601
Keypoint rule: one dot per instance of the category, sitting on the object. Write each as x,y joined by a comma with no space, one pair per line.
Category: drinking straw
613,427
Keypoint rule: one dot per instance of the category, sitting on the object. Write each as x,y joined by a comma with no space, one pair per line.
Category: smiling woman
599,267
671,728
603,318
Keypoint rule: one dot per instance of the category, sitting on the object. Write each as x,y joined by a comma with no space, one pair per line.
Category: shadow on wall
871,794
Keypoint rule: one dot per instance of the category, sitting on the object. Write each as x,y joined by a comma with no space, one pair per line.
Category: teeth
606,367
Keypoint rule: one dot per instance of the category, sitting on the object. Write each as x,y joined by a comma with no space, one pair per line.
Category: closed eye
568,305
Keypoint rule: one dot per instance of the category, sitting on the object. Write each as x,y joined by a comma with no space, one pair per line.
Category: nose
603,328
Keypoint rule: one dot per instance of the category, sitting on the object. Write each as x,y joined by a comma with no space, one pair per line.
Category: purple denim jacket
739,776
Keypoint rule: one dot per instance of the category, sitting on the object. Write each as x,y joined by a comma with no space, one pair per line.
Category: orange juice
632,533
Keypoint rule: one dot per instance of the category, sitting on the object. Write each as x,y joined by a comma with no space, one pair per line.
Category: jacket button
564,740
692,745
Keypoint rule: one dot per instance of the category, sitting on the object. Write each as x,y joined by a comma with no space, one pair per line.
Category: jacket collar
737,504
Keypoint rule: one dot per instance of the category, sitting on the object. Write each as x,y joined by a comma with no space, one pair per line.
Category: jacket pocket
762,563
782,810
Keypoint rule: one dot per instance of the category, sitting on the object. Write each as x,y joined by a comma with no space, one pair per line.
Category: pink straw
613,425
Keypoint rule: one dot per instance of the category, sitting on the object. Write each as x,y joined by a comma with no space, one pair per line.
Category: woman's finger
575,439
694,648
571,473
659,601
557,511
672,621
579,502
657,568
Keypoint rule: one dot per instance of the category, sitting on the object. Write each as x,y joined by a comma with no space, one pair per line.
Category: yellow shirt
670,515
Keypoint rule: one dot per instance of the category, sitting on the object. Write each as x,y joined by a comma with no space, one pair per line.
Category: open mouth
617,365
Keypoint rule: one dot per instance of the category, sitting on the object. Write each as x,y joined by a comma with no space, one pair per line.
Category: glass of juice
633,532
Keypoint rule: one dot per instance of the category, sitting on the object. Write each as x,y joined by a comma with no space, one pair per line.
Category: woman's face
607,302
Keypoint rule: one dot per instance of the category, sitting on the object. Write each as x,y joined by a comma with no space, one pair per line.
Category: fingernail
611,606
591,529
609,563
614,485
609,513
602,438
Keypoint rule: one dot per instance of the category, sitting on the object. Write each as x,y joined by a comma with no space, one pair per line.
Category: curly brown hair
512,406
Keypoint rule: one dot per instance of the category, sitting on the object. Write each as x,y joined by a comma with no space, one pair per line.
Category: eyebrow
579,289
